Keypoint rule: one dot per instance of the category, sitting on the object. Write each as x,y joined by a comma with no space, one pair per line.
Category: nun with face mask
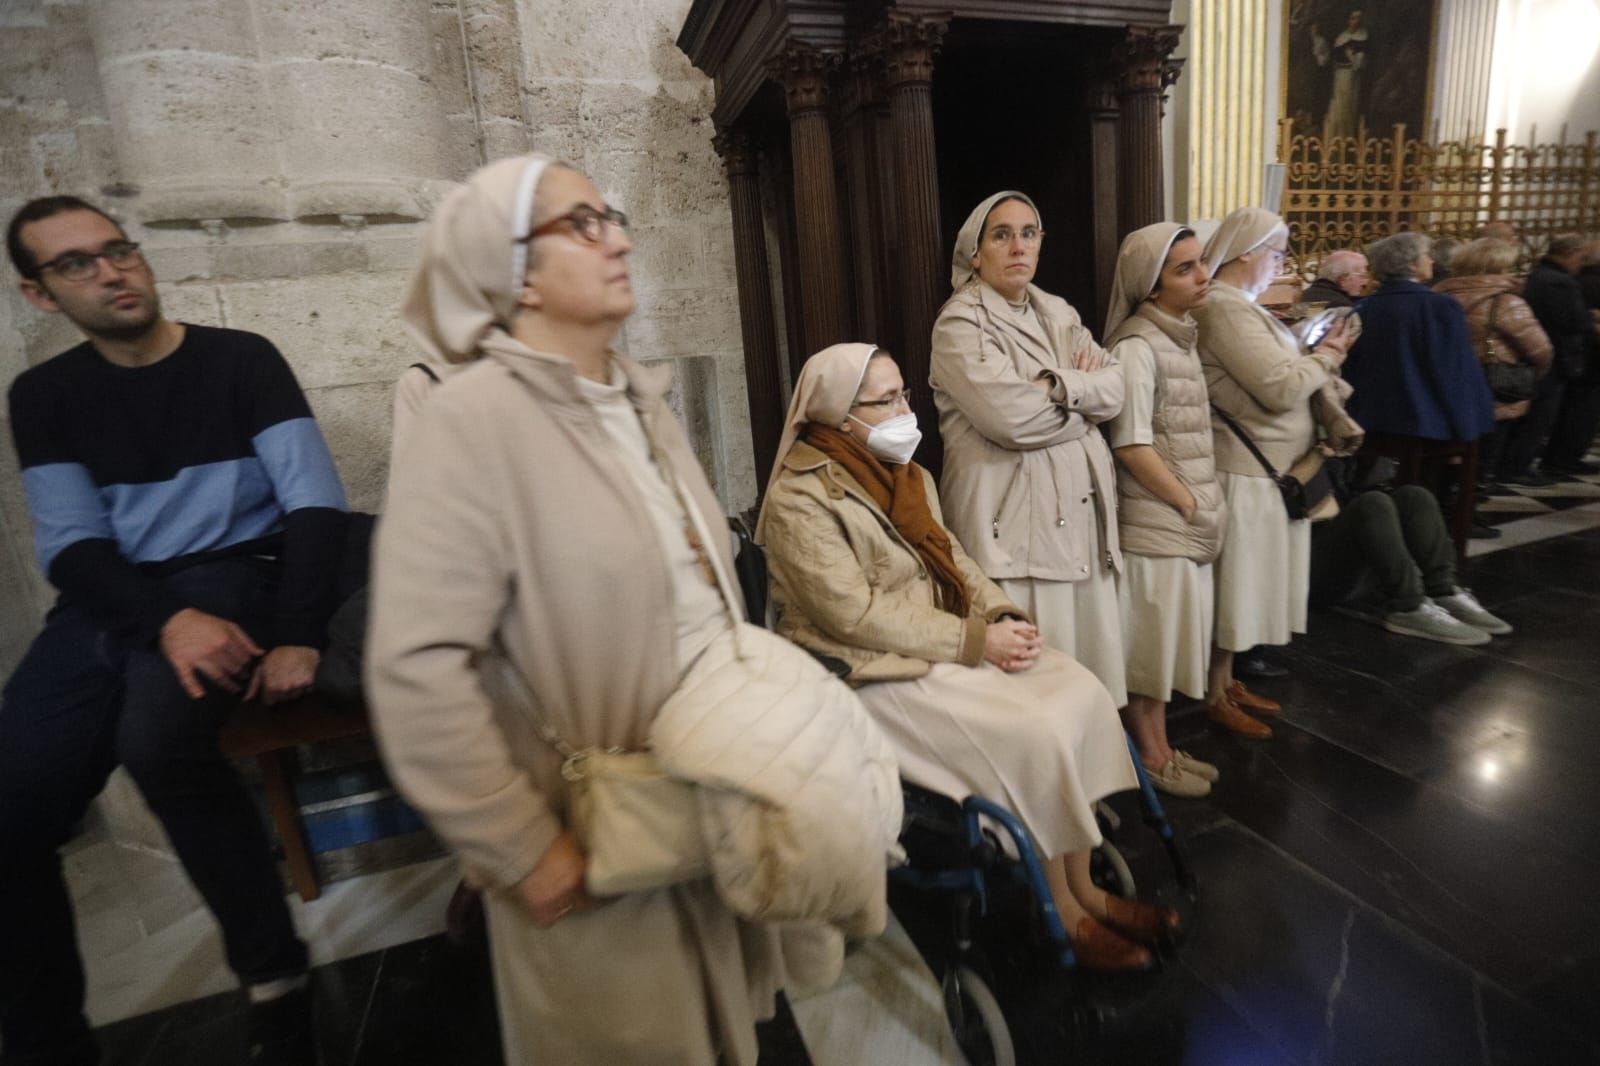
864,570
546,582
1021,388
1170,510
1256,371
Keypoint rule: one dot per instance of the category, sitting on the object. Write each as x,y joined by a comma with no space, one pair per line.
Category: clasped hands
1012,644
200,645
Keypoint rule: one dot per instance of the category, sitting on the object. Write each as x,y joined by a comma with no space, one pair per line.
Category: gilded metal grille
1344,192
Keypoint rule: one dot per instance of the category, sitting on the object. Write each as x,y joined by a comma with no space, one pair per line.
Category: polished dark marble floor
1407,873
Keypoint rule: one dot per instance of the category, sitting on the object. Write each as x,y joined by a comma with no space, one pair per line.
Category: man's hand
199,645
285,673
1011,644
554,888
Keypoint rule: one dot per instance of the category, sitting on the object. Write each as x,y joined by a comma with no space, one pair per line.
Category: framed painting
1349,65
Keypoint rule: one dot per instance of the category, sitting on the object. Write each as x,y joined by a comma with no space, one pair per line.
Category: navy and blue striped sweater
130,472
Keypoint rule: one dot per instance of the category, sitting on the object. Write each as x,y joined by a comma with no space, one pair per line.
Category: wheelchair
1001,940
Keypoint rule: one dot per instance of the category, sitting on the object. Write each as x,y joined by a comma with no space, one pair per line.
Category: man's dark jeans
83,701
1396,541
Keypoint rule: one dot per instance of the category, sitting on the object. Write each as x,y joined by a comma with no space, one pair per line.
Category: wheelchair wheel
1110,871
976,1019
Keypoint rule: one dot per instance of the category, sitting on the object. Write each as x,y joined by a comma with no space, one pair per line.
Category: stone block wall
278,160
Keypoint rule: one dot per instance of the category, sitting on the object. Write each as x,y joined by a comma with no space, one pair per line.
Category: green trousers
1390,549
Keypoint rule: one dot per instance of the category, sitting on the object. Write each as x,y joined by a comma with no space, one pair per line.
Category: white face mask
895,440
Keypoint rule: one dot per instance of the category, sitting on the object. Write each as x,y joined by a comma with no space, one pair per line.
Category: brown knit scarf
899,490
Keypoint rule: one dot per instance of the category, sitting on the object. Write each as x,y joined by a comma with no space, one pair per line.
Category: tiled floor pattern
1404,874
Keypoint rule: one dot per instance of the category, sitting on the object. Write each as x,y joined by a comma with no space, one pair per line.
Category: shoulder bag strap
1244,438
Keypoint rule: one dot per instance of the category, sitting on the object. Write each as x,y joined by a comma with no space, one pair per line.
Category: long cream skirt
1045,743
1081,618
1167,609
663,978
1264,571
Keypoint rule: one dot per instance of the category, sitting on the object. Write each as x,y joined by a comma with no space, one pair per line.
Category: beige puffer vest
1181,427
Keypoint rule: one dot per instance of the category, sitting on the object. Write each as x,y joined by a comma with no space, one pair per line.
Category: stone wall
278,158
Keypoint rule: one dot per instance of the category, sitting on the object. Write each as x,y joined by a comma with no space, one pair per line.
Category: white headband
522,219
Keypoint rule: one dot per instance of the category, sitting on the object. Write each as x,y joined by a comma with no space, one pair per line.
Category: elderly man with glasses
187,509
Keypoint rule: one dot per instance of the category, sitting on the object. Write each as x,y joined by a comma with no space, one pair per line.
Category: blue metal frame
1152,806
1031,871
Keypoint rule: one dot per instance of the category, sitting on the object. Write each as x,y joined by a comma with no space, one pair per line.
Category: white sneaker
1466,608
1432,622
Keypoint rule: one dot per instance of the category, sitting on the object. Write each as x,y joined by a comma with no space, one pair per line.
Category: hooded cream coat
1019,463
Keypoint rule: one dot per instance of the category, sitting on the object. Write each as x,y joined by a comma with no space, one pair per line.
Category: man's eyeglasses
1001,236
587,222
895,400
81,266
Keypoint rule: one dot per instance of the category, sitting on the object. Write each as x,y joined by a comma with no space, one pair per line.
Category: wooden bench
271,735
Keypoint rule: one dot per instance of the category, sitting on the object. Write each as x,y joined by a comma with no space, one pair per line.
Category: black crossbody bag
1299,497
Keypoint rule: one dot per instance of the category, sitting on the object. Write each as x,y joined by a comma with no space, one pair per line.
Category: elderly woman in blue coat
1414,370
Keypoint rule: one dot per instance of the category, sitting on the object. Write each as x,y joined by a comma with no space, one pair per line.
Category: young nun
1171,513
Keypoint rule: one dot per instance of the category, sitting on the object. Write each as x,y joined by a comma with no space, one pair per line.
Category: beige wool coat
865,597
517,581
1020,463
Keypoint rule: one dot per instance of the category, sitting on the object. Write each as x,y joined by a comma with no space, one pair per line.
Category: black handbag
1300,498
1510,382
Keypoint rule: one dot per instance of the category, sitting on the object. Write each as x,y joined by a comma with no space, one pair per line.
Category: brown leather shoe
1105,951
1251,702
1145,923
1227,714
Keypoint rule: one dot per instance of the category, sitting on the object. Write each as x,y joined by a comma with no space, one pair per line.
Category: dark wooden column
1143,73
1105,233
756,321
862,92
803,71
909,46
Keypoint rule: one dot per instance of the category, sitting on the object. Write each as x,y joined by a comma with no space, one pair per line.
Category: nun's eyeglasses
1001,236
587,222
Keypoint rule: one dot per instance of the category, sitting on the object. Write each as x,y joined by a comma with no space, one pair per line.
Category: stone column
365,132
1144,72
195,126
803,71
756,323
864,239
909,46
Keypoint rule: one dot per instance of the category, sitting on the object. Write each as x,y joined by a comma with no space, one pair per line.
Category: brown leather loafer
1145,923
1105,951
1227,714
1251,702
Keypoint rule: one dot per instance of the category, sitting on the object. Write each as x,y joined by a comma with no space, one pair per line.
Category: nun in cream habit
864,570
1028,485
1171,513
533,571
1257,372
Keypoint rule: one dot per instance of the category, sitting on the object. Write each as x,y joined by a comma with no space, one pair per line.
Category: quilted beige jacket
846,584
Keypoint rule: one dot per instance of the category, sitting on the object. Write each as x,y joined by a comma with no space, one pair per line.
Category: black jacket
1557,302
1324,291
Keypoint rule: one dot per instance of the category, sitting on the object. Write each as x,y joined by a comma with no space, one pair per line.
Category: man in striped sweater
188,511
